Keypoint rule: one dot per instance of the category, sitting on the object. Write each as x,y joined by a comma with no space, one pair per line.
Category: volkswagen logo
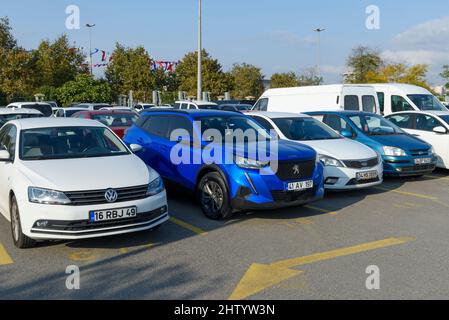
296,170
111,195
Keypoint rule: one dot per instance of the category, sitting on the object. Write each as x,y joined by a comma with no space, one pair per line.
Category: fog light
42,224
331,181
164,209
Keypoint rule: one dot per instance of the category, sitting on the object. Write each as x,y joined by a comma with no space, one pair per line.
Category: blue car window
374,125
157,125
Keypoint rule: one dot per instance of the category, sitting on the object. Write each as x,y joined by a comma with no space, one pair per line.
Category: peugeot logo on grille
111,195
296,170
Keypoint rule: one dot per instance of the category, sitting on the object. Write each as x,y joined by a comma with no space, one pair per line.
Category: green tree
131,70
445,75
309,78
247,81
215,80
284,80
85,89
57,63
363,60
400,73
7,40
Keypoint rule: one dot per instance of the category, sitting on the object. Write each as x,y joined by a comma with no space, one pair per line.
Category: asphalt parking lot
319,251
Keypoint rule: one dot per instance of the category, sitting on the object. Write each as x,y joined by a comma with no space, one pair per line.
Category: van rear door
359,98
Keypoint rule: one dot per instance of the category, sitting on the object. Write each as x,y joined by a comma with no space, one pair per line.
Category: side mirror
440,130
135,148
346,133
5,156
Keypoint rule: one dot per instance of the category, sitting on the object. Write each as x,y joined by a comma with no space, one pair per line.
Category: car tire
213,197
20,240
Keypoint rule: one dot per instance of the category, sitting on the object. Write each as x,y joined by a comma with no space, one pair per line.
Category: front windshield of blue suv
227,125
374,125
305,129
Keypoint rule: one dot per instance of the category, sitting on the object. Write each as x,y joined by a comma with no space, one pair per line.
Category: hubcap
15,221
212,197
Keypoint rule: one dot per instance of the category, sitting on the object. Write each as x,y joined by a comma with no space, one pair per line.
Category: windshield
4,118
305,129
117,119
427,102
227,126
374,125
69,143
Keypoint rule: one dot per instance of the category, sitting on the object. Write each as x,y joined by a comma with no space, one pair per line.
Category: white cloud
329,69
292,38
416,56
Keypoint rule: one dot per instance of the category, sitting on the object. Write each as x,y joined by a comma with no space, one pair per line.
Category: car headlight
394,152
431,151
155,187
330,162
245,163
46,196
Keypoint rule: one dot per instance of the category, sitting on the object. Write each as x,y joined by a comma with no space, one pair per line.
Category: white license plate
369,175
423,161
300,186
112,214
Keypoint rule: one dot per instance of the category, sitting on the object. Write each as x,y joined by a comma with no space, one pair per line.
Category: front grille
360,164
83,198
420,152
293,196
424,167
295,170
355,182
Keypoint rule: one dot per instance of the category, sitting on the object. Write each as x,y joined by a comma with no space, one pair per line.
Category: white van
397,97
319,98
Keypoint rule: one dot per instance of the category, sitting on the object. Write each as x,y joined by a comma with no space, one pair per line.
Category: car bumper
72,222
347,178
405,166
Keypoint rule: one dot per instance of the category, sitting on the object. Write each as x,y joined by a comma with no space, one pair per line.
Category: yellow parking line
320,210
188,226
4,256
84,255
405,193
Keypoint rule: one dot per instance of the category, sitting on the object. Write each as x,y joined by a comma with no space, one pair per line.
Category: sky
275,35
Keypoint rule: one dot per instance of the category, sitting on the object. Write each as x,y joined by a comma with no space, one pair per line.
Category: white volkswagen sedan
430,126
65,178
347,164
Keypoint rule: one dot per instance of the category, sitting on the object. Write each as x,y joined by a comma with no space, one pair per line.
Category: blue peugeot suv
402,153
192,148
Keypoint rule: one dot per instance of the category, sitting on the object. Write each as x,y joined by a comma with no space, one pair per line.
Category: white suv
65,178
186,105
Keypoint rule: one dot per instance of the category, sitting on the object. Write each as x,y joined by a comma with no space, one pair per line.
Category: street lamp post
319,30
200,67
90,26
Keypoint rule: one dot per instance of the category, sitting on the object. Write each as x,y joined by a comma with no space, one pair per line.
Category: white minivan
319,98
398,97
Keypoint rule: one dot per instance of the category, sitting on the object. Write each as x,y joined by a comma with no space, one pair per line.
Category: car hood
286,150
342,149
88,173
403,141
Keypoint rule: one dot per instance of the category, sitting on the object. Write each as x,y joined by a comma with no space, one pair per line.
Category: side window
402,120
157,125
426,123
352,103
177,106
337,123
261,105
263,122
8,140
177,122
399,104
381,98
369,104
184,106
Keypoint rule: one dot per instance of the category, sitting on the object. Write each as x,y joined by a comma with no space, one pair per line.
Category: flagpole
90,26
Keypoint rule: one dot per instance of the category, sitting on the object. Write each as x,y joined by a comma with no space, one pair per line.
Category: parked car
186,105
223,186
63,183
431,126
348,164
235,107
143,106
69,112
53,104
397,97
118,108
44,108
221,102
92,106
8,114
119,121
402,153
337,97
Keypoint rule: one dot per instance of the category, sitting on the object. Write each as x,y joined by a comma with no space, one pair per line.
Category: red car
117,120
